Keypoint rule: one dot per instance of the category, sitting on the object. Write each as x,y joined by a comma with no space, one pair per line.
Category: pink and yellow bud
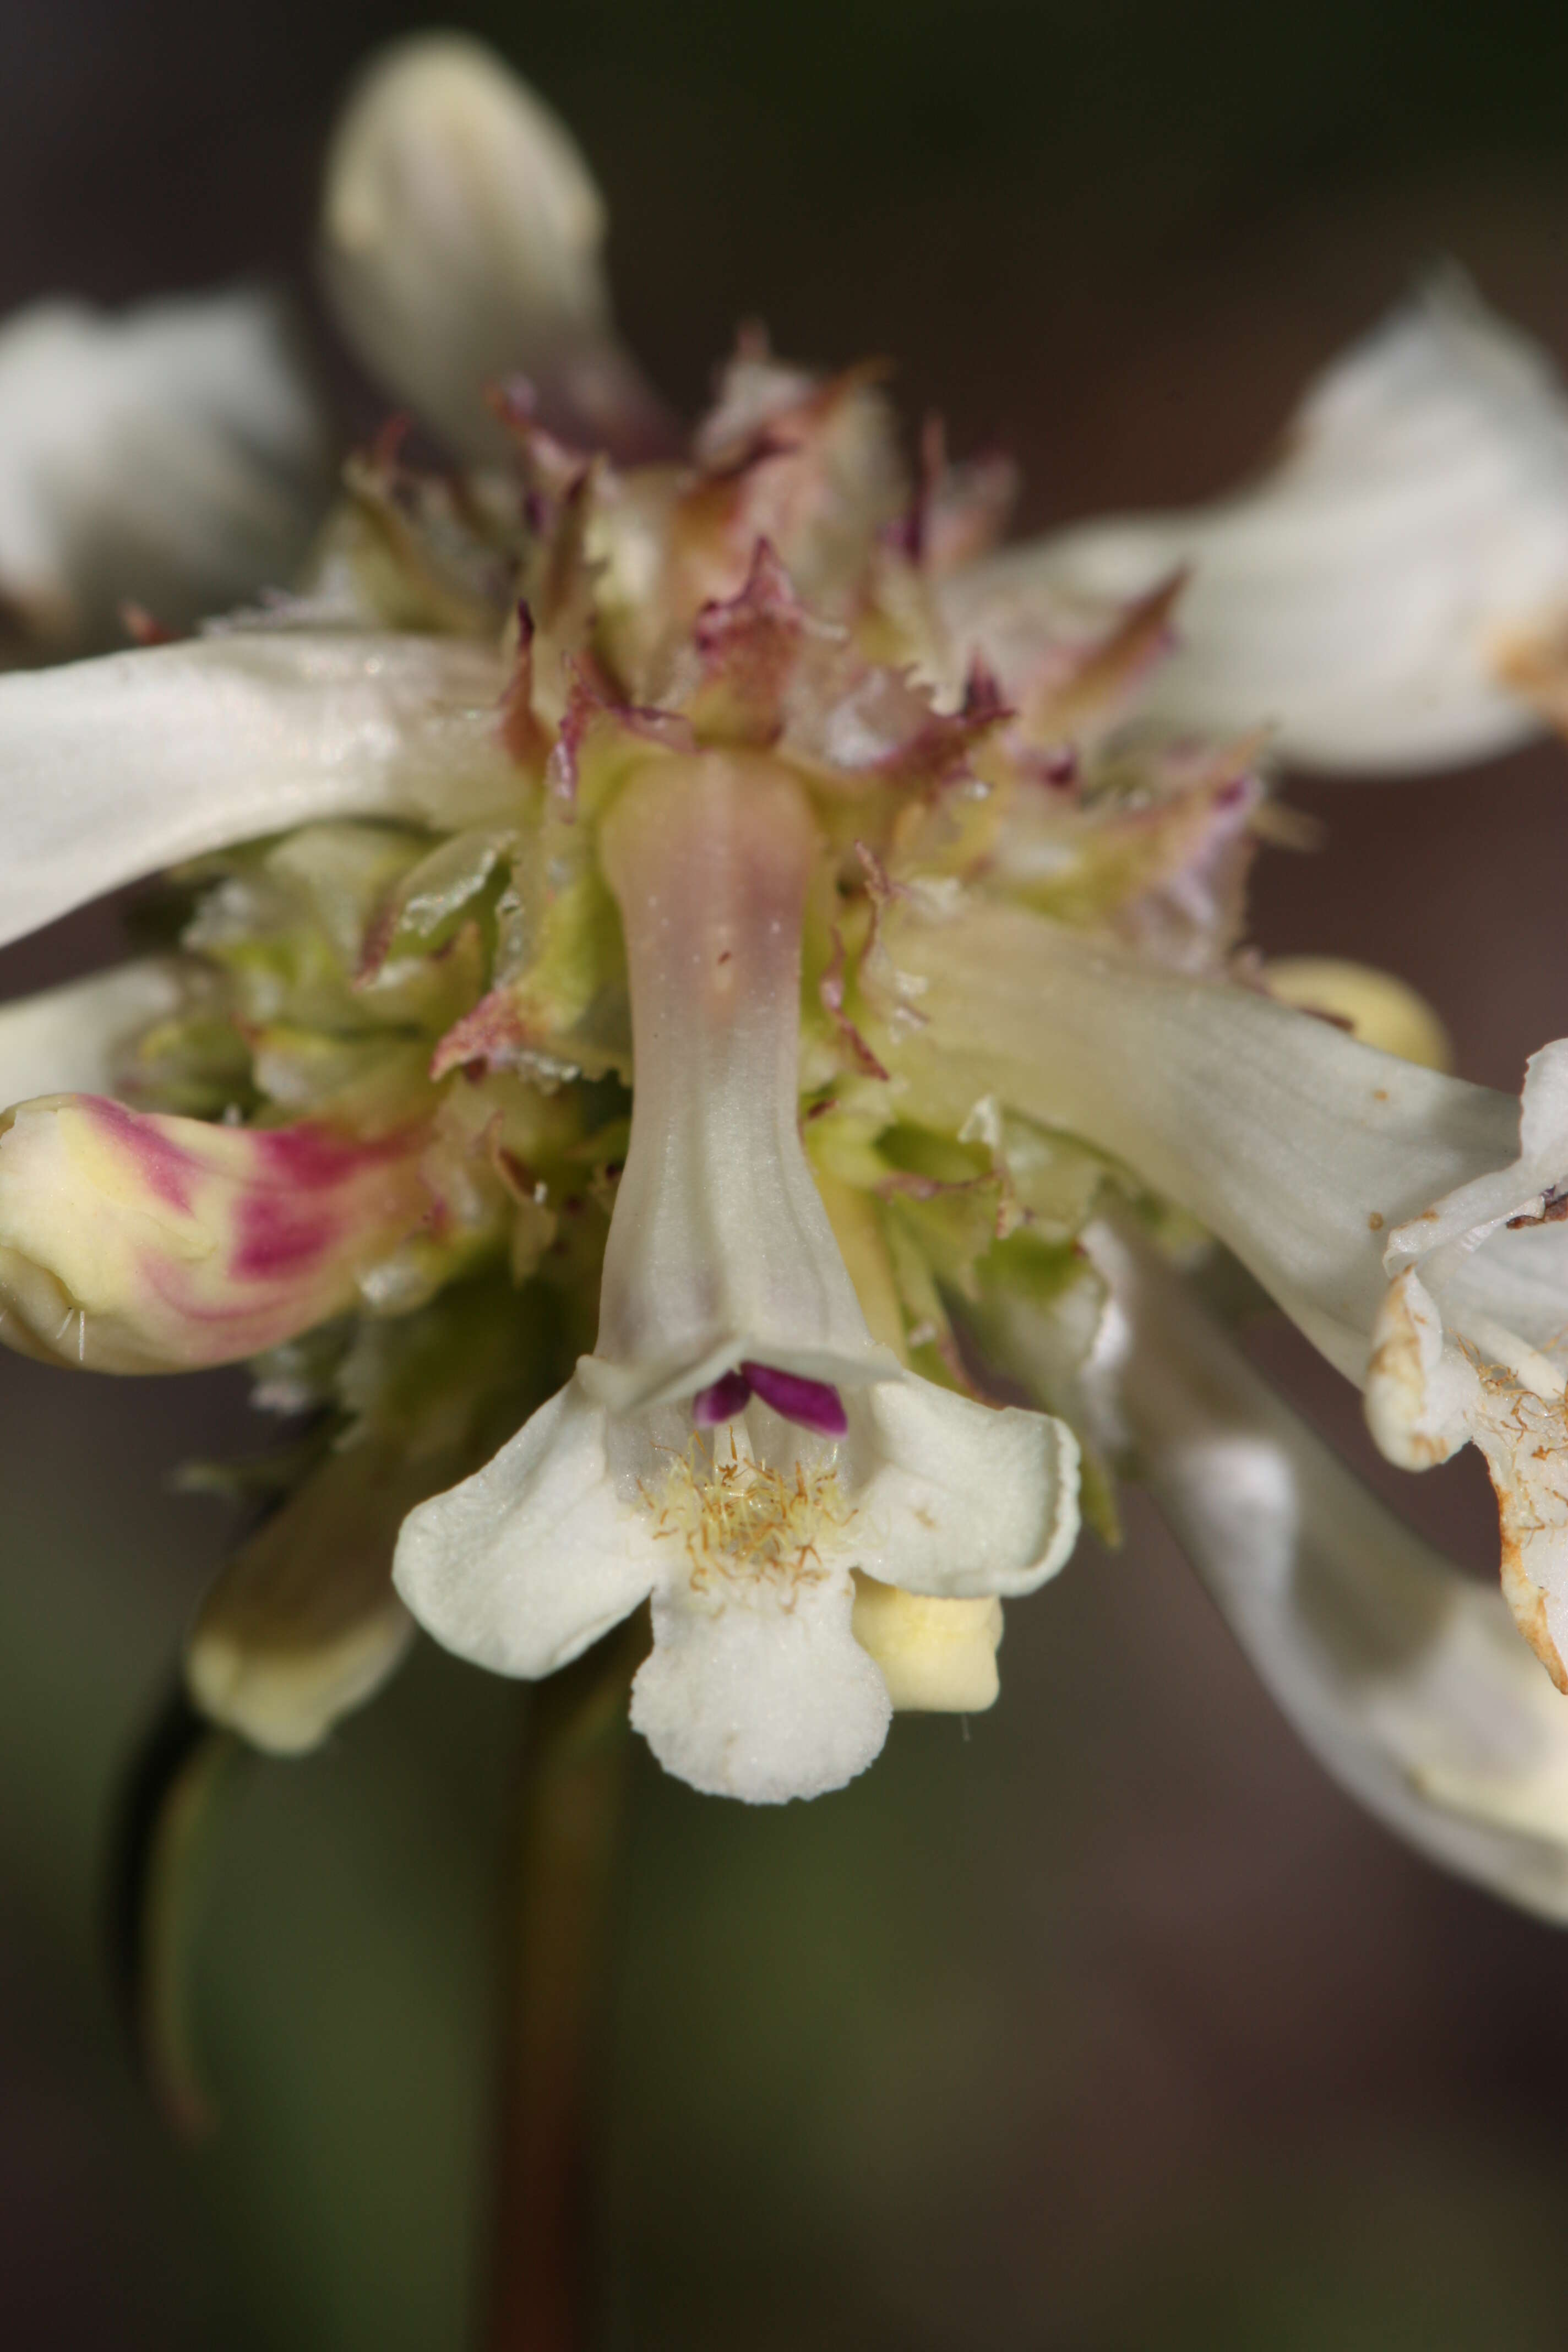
134,1243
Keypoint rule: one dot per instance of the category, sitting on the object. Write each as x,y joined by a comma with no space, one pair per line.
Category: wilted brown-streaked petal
1470,1342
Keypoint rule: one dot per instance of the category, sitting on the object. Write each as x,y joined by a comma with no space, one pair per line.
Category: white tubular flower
1369,593
461,245
173,456
1405,1677
113,768
737,1443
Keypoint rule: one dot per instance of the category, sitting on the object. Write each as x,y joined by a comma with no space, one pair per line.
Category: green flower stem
172,1813
568,1818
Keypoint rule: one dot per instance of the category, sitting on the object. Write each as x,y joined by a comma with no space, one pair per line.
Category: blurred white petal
302,1625
173,456
1406,1678
111,769
461,245
1364,594
68,1040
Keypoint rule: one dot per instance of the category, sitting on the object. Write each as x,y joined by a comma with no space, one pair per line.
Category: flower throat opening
737,1516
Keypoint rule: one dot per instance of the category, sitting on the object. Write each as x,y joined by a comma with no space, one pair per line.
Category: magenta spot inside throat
816,1405
729,1394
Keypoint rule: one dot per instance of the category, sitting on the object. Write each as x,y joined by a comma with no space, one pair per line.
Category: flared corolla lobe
135,1242
737,1445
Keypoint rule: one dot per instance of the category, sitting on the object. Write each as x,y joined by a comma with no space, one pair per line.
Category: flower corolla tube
737,1445
710,1055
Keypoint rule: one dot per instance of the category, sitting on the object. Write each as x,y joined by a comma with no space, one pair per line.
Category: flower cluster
707,1023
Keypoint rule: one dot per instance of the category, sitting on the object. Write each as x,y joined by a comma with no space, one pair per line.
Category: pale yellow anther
1377,1008
936,1656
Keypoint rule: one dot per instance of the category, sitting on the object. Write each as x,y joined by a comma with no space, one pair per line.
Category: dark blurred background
1106,2023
